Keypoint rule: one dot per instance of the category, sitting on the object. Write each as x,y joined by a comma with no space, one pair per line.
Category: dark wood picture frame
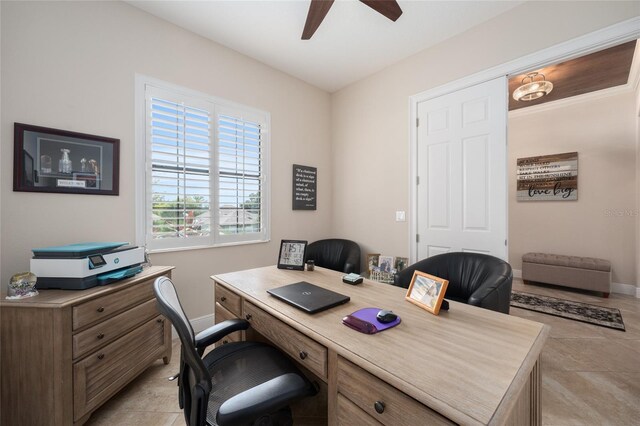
94,161
291,254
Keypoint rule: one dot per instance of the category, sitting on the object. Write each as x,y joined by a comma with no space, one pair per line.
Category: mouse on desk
385,316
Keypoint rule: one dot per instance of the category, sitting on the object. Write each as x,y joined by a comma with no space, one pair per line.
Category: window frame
215,106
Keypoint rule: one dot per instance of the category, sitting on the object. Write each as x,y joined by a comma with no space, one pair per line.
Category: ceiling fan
318,10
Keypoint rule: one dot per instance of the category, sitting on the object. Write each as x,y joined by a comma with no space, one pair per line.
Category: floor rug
592,314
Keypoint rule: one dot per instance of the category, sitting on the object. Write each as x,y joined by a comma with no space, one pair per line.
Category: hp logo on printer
116,260
306,293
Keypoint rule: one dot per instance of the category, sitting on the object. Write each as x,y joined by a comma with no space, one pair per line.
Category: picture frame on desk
385,263
372,261
292,254
427,291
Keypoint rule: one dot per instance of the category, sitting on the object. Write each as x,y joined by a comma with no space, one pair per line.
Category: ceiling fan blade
317,11
389,8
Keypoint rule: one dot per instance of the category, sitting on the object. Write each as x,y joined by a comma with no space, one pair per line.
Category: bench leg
526,281
605,295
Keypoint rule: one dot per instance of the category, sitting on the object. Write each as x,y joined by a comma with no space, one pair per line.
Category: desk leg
536,397
332,371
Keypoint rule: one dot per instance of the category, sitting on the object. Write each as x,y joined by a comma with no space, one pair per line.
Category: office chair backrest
194,379
335,253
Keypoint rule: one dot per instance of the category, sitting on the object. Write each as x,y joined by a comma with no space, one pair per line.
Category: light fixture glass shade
533,89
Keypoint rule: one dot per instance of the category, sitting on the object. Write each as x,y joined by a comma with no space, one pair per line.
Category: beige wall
72,65
370,118
601,222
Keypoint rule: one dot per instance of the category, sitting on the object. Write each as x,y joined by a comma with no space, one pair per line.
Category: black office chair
240,383
474,278
334,253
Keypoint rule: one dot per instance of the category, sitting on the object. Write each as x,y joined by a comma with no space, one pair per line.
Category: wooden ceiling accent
597,71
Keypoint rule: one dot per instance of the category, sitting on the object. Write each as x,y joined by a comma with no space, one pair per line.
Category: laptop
308,297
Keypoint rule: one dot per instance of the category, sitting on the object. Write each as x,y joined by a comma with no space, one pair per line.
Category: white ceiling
353,41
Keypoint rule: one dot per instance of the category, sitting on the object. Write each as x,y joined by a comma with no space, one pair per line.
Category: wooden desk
66,352
467,365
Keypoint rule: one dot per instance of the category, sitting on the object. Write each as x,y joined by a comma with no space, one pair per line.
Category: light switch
400,216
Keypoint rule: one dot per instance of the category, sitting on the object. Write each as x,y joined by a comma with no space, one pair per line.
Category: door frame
592,42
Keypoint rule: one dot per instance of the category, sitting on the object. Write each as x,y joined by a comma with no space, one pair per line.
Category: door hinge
505,242
417,180
417,122
417,238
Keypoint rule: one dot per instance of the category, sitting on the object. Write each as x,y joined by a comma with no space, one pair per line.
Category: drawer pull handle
223,299
303,354
224,342
100,336
379,406
159,320
100,309
101,356
248,317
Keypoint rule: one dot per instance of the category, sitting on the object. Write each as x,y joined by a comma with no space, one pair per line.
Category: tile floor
590,374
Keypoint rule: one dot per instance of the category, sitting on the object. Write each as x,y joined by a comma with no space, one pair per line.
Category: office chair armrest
267,397
212,334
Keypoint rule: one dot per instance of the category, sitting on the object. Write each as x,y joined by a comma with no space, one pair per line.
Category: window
204,182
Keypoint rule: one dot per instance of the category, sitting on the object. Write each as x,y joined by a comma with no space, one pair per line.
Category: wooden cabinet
66,352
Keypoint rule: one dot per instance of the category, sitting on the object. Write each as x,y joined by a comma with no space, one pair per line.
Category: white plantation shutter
240,174
205,172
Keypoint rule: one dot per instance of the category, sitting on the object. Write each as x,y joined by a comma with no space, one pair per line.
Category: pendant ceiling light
534,89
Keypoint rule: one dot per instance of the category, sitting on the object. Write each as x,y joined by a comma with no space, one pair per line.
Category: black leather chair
239,383
334,253
475,279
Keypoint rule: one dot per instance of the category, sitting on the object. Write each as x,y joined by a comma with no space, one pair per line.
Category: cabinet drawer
103,307
103,372
222,315
105,332
349,414
228,299
398,408
306,351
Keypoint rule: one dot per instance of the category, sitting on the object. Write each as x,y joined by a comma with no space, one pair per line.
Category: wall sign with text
548,177
305,182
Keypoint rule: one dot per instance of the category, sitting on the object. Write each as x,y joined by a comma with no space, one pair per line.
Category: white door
462,169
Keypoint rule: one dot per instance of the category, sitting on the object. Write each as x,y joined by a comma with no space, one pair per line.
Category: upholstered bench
586,273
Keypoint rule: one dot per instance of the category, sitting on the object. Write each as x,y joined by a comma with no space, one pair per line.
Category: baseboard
629,289
198,325
202,323
517,273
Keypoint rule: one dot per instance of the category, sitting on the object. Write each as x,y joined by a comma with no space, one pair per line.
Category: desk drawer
228,299
222,315
350,414
306,351
105,332
366,390
102,373
103,307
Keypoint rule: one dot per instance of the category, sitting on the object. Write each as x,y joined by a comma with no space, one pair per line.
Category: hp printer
84,265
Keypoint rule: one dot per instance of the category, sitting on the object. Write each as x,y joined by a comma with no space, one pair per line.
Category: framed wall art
53,160
305,187
548,177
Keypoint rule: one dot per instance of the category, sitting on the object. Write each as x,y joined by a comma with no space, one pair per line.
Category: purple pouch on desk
365,321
